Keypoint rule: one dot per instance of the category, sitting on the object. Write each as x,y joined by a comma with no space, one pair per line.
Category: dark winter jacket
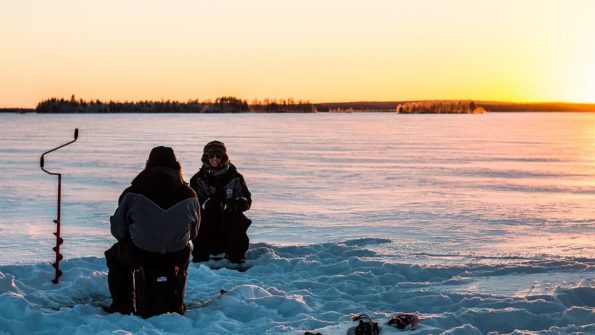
223,189
224,197
159,212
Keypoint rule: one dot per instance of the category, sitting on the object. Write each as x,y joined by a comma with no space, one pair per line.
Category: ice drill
59,239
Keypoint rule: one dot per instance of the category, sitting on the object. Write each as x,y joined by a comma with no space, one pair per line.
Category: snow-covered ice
480,224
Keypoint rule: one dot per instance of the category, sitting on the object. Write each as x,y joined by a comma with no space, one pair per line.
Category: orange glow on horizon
331,51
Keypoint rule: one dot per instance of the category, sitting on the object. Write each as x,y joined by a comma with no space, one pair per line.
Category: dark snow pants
120,266
123,258
222,234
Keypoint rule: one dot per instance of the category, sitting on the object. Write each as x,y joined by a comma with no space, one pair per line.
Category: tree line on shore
495,106
230,104
235,105
219,105
439,107
445,106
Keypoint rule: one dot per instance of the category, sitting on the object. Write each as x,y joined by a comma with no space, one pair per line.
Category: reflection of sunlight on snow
539,242
580,144
32,230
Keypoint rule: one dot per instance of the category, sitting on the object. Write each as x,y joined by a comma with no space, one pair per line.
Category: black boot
119,278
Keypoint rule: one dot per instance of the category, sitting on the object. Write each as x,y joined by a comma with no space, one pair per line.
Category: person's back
156,218
156,211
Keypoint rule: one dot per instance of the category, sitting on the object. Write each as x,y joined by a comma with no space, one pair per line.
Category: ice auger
59,239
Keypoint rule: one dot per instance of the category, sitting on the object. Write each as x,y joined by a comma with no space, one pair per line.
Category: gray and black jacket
159,212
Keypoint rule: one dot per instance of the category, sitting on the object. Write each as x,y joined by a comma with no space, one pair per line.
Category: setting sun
580,83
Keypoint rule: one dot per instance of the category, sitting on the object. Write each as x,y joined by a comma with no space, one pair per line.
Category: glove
230,207
243,204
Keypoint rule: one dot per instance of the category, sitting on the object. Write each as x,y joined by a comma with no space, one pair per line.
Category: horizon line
518,102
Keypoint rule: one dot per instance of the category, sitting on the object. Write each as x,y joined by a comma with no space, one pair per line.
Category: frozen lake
495,212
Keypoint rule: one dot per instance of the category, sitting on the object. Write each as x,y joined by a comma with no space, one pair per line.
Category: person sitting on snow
156,218
224,196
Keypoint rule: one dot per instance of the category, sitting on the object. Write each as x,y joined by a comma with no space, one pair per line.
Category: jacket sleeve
119,221
245,193
200,188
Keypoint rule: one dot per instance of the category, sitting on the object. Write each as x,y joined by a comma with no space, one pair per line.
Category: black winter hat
215,147
163,156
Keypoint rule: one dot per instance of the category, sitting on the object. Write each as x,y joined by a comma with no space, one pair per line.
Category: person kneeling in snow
156,218
225,197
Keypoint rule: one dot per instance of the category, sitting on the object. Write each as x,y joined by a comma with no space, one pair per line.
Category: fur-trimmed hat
163,156
215,147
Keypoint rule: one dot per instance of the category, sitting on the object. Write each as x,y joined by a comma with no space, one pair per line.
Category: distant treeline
220,105
493,106
439,107
282,106
488,106
236,105
360,106
16,110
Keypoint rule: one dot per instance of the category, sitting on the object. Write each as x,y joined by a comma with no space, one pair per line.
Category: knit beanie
163,156
215,147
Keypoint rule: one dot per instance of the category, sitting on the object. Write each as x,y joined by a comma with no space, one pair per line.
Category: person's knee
111,256
118,256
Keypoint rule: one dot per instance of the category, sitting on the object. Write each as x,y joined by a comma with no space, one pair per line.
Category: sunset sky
317,50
